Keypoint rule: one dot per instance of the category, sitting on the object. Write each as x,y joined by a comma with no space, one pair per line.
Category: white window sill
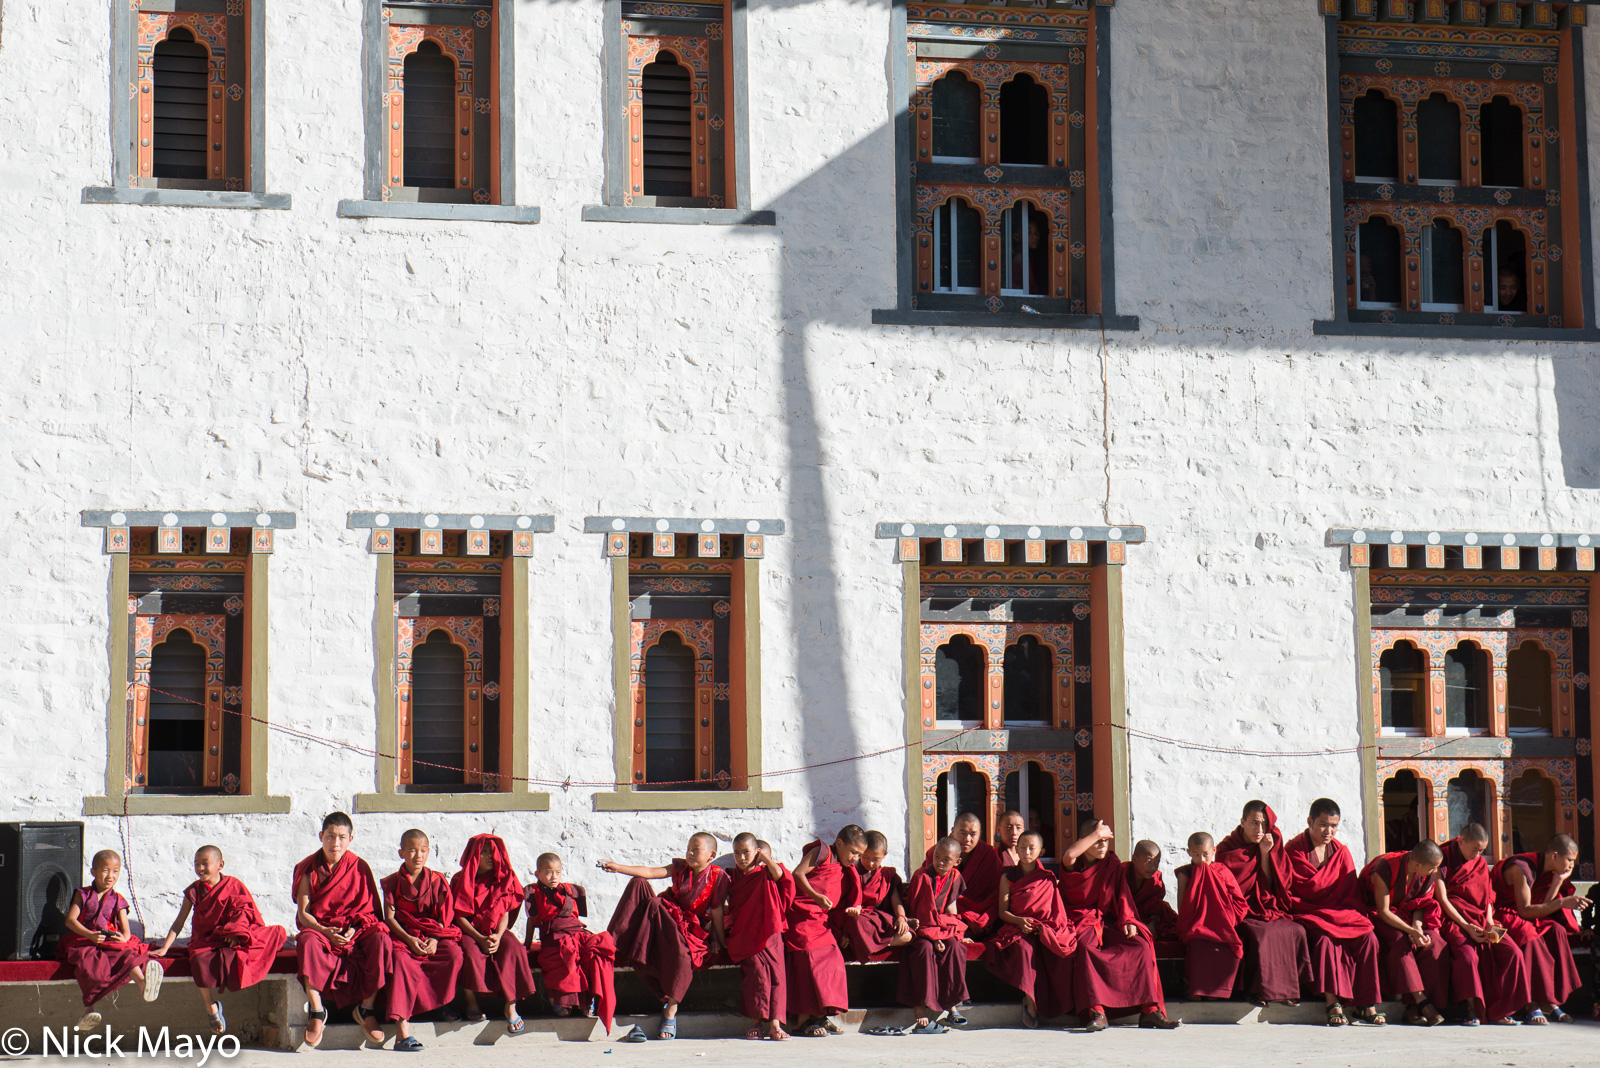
184,198
394,209
691,216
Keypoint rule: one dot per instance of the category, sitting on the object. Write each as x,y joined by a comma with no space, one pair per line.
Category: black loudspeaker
41,864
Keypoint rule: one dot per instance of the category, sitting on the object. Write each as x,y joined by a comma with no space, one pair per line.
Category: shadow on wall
1577,390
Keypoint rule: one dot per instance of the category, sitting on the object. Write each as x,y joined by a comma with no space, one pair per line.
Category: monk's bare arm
807,864
1442,896
1183,886
1071,854
1524,896
1006,915
175,930
1264,860
634,870
718,934
1380,897
774,871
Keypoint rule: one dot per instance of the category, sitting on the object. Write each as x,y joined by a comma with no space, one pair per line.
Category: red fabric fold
1243,860
1467,883
1212,907
482,899
807,920
424,909
1035,896
1096,895
223,912
758,906
573,959
928,896
1410,899
980,869
1150,902
342,896
1327,898
1539,882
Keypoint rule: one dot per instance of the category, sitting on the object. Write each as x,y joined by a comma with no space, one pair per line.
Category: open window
963,789
1506,268
177,721
1029,684
1024,122
957,234
1532,800
1403,681
1438,141
1530,700
959,672
1027,244
1466,690
1377,137
1470,799
1443,268
956,107
1403,804
191,94
1500,121
1378,265
1031,791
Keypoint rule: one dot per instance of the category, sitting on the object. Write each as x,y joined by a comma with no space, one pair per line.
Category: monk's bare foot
776,1032
754,1034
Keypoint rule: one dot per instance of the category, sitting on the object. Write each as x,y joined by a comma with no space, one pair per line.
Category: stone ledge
519,801
1009,320
685,800
391,209
192,805
184,198
691,216
1334,328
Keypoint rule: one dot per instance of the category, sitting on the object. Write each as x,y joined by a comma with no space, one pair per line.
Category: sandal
635,1035
1505,1021
1471,1021
475,1017
814,1030
885,1032
374,1030
1370,1017
778,1033
218,1022
517,1027
1336,1016
953,1015
832,1025
315,1021
1030,1018
1536,1018
668,1030
409,1044
755,1034
89,1022
932,1027
154,972
1561,1016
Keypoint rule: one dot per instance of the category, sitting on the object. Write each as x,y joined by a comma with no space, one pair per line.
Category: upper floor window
192,88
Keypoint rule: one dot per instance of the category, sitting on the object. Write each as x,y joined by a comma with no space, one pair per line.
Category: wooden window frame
129,643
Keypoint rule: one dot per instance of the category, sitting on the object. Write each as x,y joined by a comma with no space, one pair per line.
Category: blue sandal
518,1028
409,1044
218,1022
668,1030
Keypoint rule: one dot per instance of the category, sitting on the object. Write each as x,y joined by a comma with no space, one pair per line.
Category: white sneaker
153,974
90,1021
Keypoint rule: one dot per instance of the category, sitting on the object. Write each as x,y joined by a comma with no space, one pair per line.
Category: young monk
1006,835
933,975
1536,904
1276,961
1325,898
343,944
980,876
425,952
1033,949
99,943
578,964
666,938
1149,892
231,946
817,985
760,894
1487,970
1406,908
870,917
1210,908
488,895
1116,960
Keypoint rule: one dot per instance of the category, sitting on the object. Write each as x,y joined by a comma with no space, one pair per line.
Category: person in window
1036,256
1369,285
1509,289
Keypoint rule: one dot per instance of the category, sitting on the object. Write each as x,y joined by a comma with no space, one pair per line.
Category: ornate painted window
1458,169
1479,646
1012,690
676,92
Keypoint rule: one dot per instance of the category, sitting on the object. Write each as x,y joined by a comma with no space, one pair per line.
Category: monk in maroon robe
1115,969
1405,907
488,896
343,944
231,946
1143,872
1487,969
1033,948
1276,961
425,951
1536,904
576,963
1325,898
1210,908
666,939
761,894
817,985
933,974
870,917
99,942
1007,833
980,875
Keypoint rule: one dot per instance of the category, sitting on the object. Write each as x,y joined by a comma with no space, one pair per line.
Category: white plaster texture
196,358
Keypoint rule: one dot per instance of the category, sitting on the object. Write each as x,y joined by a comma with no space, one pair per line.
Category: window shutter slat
430,89
180,72
668,144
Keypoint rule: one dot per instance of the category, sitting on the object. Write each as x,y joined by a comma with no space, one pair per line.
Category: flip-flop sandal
1471,1021
409,1044
449,1016
1370,1017
954,1016
1030,1019
781,1036
932,1027
218,1022
1562,1017
635,1035
320,1018
1336,1016
885,1032
668,1029
518,1028
476,1017
814,1030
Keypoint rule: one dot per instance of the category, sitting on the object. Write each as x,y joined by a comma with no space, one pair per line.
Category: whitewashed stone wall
159,357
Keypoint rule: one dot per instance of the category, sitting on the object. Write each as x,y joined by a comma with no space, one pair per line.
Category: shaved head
1563,845
1427,852
208,849
1146,848
1475,832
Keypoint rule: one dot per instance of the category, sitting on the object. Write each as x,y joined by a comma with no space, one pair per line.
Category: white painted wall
158,357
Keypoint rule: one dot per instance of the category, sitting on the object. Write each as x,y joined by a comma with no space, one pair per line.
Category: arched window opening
1470,797
1029,683
1403,680
1466,690
1532,800
668,141
957,234
669,712
177,735
1438,141
955,119
962,789
1024,122
1507,250
1377,122
1529,700
438,706
1500,123
1378,265
1031,791
959,669
179,69
1402,811
1443,268
430,91
1027,243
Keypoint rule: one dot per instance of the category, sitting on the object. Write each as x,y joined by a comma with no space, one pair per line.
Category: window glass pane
1466,796
1502,142
1401,813
1445,262
1400,678
1439,139
1465,698
1528,689
958,679
1377,145
1379,280
430,89
1024,121
968,236
962,789
955,117
1028,682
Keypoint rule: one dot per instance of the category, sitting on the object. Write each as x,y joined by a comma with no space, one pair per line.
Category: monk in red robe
1276,961
488,897
1007,833
1325,898
870,917
980,875
1416,957
99,942
578,964
343,944
1210,909
1487,969
1034,947
1115,969
1536,904
666,939
1143,872
425,943
231,946
818,987
760,895
933,974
